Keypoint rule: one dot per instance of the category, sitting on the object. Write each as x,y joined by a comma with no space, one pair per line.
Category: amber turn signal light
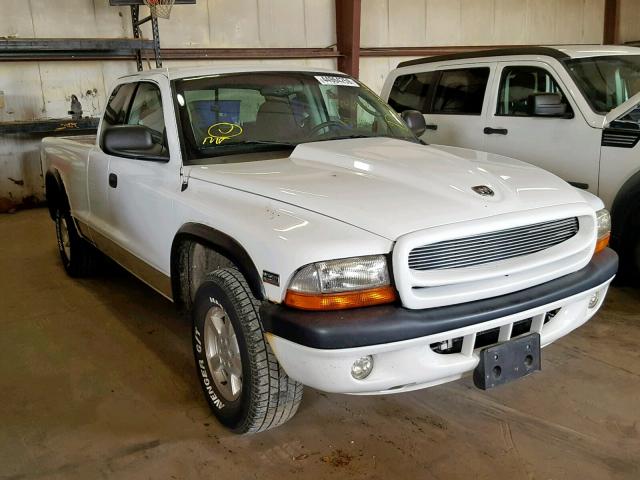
602,243
341,301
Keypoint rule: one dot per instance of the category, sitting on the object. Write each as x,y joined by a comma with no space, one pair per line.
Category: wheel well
626,203
198,250
54,192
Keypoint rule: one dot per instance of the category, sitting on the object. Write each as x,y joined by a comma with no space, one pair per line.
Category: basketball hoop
159,8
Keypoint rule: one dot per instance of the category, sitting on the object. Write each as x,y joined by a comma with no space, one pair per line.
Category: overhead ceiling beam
611,22
348,36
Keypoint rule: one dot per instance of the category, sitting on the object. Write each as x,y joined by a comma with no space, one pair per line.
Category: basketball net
159,8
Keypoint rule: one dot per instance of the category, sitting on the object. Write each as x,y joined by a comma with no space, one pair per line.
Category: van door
562,143
453,101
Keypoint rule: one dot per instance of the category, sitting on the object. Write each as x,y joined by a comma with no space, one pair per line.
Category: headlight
338,284
603,224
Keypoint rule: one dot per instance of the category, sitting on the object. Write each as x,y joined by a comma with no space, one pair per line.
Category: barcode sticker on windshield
335,80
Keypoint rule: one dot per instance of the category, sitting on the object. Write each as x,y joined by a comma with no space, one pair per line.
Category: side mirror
415,121
133,141
547,105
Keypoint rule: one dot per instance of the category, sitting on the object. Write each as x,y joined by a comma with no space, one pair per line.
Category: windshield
250,112
608,81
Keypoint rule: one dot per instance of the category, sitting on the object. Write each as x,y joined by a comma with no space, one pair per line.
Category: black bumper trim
391,323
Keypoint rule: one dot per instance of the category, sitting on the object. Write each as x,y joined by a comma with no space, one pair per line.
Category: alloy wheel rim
64,237
223,353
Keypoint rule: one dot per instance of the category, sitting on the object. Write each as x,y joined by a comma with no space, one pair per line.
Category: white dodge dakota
313,239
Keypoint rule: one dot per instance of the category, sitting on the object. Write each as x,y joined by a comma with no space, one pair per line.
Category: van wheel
78,257
245,386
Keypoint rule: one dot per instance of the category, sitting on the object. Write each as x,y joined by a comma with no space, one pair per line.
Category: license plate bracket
507,361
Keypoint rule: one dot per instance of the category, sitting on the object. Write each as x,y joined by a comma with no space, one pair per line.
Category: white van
572,110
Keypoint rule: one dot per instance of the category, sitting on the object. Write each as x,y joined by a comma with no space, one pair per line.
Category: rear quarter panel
68,157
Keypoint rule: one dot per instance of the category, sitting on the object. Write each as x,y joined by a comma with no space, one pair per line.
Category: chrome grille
493,246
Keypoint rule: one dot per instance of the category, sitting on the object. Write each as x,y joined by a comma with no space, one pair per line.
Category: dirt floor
97,381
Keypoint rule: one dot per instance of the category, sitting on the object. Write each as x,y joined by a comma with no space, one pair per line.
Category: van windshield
242,113
606,81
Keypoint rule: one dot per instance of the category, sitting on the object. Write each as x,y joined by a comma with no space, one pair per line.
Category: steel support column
611,22
348,36
135,13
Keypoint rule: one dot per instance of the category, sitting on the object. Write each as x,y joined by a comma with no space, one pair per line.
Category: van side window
461,91
518,84
410,92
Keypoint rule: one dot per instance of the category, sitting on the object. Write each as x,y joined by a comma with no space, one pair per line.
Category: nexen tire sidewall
230,413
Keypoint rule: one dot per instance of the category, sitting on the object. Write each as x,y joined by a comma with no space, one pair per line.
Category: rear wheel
242,380
78,257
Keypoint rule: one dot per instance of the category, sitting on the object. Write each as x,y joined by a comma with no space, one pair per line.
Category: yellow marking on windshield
219,132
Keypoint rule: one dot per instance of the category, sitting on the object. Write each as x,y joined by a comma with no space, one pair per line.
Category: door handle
113,180
431,126
497,131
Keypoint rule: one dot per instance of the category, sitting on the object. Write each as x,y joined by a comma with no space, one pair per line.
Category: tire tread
275,397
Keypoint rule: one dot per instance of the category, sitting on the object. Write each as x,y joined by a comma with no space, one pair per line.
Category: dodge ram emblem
483,190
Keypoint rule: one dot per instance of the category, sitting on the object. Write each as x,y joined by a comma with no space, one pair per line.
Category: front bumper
319,348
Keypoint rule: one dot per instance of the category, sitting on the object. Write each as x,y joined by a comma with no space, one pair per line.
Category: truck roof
559,52
173,73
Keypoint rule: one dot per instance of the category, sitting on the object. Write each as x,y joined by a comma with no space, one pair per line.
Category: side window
461,91
116,111
146,109
410,92
518,84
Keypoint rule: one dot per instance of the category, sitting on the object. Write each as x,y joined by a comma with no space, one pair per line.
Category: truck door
563,144
141,193
98,164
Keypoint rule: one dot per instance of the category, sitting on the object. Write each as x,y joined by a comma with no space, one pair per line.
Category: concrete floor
97,381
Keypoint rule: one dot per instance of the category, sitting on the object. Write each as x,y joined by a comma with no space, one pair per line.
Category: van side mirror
415,121
133,141
547,105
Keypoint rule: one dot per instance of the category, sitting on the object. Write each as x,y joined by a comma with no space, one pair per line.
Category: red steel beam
348,36
611,22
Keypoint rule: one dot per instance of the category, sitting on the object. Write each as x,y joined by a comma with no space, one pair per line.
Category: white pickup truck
313,239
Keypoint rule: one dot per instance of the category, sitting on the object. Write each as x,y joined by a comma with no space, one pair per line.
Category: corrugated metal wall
34,90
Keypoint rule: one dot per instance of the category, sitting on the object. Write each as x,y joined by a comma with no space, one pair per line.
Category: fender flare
623,205
222,243
54,191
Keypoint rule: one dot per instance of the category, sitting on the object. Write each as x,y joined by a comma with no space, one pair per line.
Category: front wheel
245,386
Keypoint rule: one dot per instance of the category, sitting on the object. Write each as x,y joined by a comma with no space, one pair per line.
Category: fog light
593,300
362,367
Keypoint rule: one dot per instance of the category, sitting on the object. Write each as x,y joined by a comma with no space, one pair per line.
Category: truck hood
392,187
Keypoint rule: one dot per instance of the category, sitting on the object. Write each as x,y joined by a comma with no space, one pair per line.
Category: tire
628,248
224,311
78,257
